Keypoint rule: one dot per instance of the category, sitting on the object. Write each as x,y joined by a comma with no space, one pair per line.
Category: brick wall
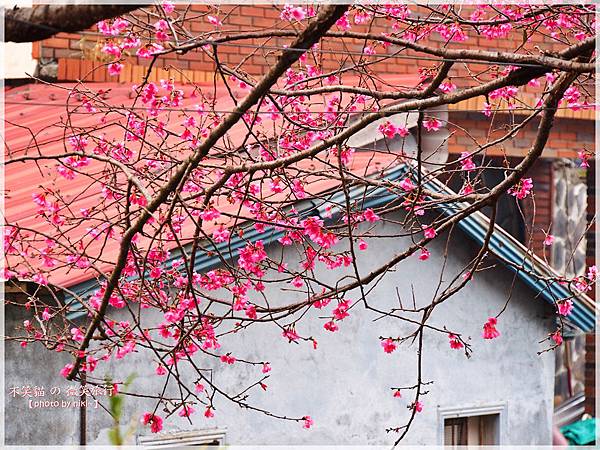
79,56
591,210
566,138
263,17
541,174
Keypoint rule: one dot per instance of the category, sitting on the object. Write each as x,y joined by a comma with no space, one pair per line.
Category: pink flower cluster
293,13
389,130
455,343
522,189
489,329
155,422
564,307
388,345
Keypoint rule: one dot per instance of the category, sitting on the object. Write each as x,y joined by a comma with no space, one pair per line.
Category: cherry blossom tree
184,181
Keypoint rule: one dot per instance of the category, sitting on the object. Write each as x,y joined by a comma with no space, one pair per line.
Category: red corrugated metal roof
35,117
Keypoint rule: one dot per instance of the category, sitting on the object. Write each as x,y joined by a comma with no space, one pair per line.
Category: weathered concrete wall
26,424
344,385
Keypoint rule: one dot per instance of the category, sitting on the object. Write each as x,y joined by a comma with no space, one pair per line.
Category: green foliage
115,406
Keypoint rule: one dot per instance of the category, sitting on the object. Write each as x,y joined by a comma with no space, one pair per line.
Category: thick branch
44,21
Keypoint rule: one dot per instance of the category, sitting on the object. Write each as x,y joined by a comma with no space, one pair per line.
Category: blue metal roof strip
581,316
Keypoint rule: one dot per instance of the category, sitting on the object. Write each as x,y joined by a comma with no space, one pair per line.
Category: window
212,437
475,430
472,425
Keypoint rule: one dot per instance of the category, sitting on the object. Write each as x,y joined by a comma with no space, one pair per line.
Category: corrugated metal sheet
36,117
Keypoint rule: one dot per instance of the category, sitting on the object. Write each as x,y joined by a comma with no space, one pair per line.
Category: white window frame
455,412
177,439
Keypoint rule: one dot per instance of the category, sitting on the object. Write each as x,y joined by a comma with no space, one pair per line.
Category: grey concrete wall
344,385
27,423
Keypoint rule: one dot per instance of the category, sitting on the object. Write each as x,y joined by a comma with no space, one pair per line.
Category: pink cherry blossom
210,214
293,13
467,189
341,311
221,235
592,273
343,23
308,422
565,307
522,189
584,156
331,326
147,51
429,232
389,130
214,21
467,163
168,6
370,216
77,334
368,50
40,279
557,337
112,49
453,32
186,411
549,240
489,329
388,345
290,334
66,370
297,282
321,303
407,184
156,422
418,406
161,25
447,86
455,343
432,124
487,109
